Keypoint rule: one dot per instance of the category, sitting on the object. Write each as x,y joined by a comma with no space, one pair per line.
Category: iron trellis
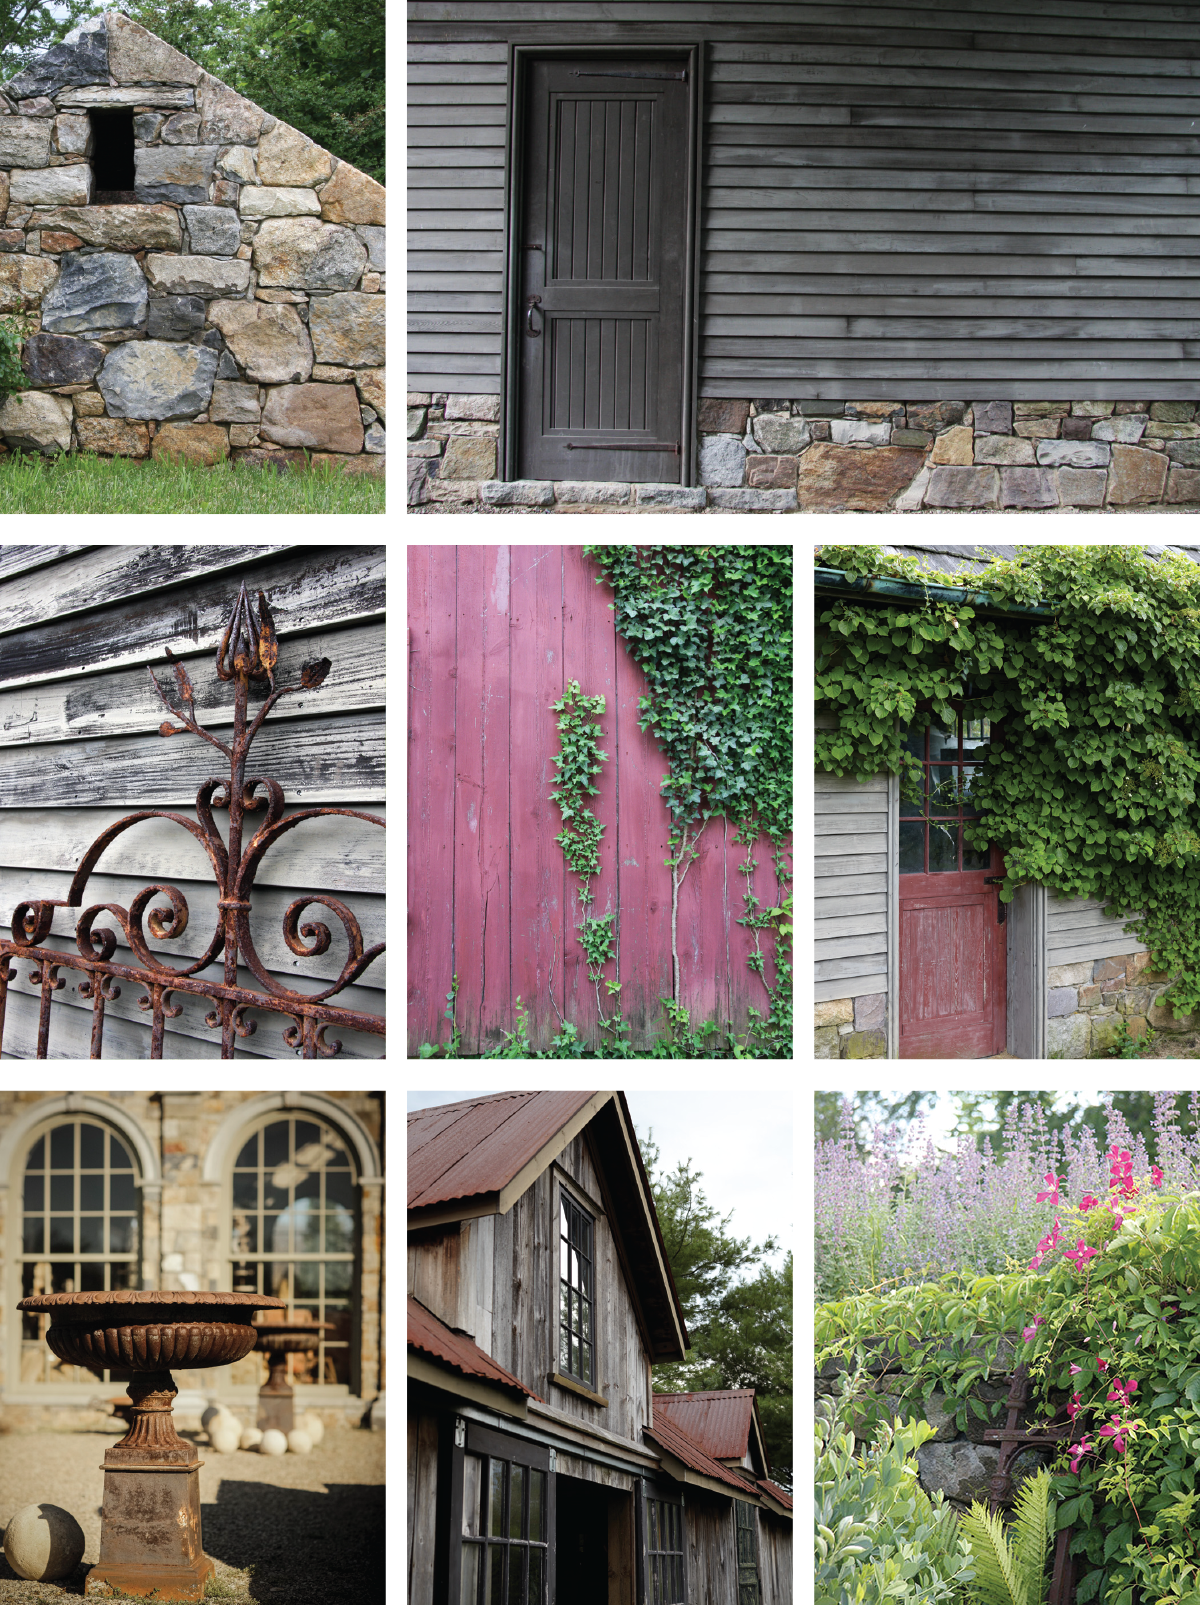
248,652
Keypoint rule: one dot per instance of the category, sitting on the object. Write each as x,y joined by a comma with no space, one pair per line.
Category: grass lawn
90,484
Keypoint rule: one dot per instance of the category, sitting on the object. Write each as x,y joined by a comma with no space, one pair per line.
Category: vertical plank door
603,253
953,952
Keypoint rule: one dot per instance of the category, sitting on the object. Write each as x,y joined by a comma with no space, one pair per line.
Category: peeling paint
632,862
472,818
499,596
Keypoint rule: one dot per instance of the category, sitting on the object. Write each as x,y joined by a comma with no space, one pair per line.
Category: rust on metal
720,1422
1013,1438
248,652
431,1337
677,1442
278,1339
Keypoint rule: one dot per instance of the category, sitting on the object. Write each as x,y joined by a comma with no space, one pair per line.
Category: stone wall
957,1464
852,1028
1087,1002
231,304
780,456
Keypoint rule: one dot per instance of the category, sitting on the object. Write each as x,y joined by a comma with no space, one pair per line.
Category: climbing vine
1090,780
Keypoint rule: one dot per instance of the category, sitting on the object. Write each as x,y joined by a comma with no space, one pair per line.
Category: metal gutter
833,582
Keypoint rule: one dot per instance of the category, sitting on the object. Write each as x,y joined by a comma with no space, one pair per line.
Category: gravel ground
297,1530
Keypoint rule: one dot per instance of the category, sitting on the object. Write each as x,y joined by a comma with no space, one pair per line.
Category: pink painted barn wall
495,634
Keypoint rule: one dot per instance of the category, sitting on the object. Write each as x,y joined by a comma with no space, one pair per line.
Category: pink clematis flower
1052,1185
1088,1202
1080,1256
1029,1332
1117,1432
1102,1365
1078,1450
1075,1405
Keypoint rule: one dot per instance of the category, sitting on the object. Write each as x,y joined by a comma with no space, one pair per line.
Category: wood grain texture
23,559
510,628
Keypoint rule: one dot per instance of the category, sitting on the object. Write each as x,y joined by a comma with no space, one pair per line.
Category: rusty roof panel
677,1442
718,1421
476,1147
430,1336
775,1491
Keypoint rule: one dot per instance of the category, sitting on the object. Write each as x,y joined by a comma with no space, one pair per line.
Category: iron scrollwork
249,652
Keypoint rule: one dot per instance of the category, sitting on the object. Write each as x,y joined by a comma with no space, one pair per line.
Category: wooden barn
902,904
84,761
542,1466
781,255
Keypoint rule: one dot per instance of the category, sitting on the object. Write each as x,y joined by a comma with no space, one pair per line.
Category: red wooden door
953,949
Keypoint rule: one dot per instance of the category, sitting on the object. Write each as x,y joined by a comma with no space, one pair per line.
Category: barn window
505,1532
576,1331
112,155
746,1528
664,1552
934,810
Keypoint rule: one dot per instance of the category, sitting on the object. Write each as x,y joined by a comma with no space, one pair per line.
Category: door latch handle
534,301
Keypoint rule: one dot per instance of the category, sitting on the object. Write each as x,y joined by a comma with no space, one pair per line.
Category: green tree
868,1109
740,1329
28,27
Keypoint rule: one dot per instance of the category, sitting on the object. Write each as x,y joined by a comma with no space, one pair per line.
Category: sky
741,1145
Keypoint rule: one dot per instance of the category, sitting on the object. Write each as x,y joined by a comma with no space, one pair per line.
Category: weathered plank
20,559
868,939
855,841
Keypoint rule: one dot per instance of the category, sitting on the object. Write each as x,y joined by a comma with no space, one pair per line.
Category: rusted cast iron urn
278,1339
150,1540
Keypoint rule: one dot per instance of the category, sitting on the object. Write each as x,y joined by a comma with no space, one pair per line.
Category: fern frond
998,1580
1031,1534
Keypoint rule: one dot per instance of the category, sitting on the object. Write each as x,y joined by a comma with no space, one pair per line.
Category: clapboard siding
851,887
751,156
80,629
1077,929
897,200
861,254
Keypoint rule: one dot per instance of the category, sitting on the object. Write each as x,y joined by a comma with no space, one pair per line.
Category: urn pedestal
150,1541
278,1339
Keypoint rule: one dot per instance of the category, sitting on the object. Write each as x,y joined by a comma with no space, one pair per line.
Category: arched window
295,1232
80,1229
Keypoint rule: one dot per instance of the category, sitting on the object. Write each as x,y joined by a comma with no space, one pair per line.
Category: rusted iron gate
1012,1438
248,652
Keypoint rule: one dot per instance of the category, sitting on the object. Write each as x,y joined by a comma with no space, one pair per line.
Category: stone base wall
1087,1002
852,1028
230,304
781,456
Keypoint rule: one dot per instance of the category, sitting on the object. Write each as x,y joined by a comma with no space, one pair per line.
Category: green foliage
879,1536
516,1044
578,763
1090,781
428,1050
1127,1046
1010,1568
1130,1314
13,377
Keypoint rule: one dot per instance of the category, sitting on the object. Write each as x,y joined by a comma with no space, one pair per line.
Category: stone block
24,281
919,438
88,404
121,228
212,230
590,493
838,478
1106,1029
226,118
911,499
176,173
1041,409
887,410
1061,1000
780,434
1136,1000
963,487
772,473
1159,431
93,293
739,499
72,135
286,156
1070,974
1073,453
935,415
425,448
234,403
1091,409
327,417
1006,449
1038,428
12,239
960,1470
1136,475
482,409
175,317
839,1011
264,200
1184,452
826,1044
51,186
349,329
1069,1037
722,460
517,493
1183,484
870,1011
34,421
1082,487
1027,487
113,437
182,129
267,339
690,498
61,359
1112,969
372,388
157,379
864,1045
351,197
136,56
304,253
1090,997
1173,412
847,431
122,97
81,58
1077,428
1162,1018
956,447
205,276
811,408
1127,429
469,457
992,417
203,444
370,467
55,242
722,415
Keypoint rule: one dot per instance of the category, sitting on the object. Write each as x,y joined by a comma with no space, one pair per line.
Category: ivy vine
1089,783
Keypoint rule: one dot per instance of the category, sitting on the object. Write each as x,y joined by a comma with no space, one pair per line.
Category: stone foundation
229,304
781,456
1087,1002
852,1028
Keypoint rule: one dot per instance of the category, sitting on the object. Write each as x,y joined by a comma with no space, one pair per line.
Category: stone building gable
194,276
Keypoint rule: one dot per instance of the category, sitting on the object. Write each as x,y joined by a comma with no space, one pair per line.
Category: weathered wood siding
1077,928
712,1572
774,1559
851,889
80,749
495,635
997,199
422,1506
753,138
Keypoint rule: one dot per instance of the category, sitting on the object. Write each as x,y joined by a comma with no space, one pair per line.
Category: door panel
603,255
953,942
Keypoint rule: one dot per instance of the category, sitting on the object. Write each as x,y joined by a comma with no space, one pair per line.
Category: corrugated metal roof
430,1336
677,1442
718,1421
463,1150
775,1491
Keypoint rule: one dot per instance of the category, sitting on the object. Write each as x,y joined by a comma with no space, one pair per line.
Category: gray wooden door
603,253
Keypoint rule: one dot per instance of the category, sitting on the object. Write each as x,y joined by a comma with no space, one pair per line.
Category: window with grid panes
746,1527
664,1552
933,813
294,1220
576,1295
80,1230
504,1532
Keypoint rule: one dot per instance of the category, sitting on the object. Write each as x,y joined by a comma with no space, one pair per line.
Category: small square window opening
112,157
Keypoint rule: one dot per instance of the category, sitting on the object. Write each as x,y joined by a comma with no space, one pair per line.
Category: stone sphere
272,1442
210,1415
225,1436
299,1442
43,1542
251,1438
311,1423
